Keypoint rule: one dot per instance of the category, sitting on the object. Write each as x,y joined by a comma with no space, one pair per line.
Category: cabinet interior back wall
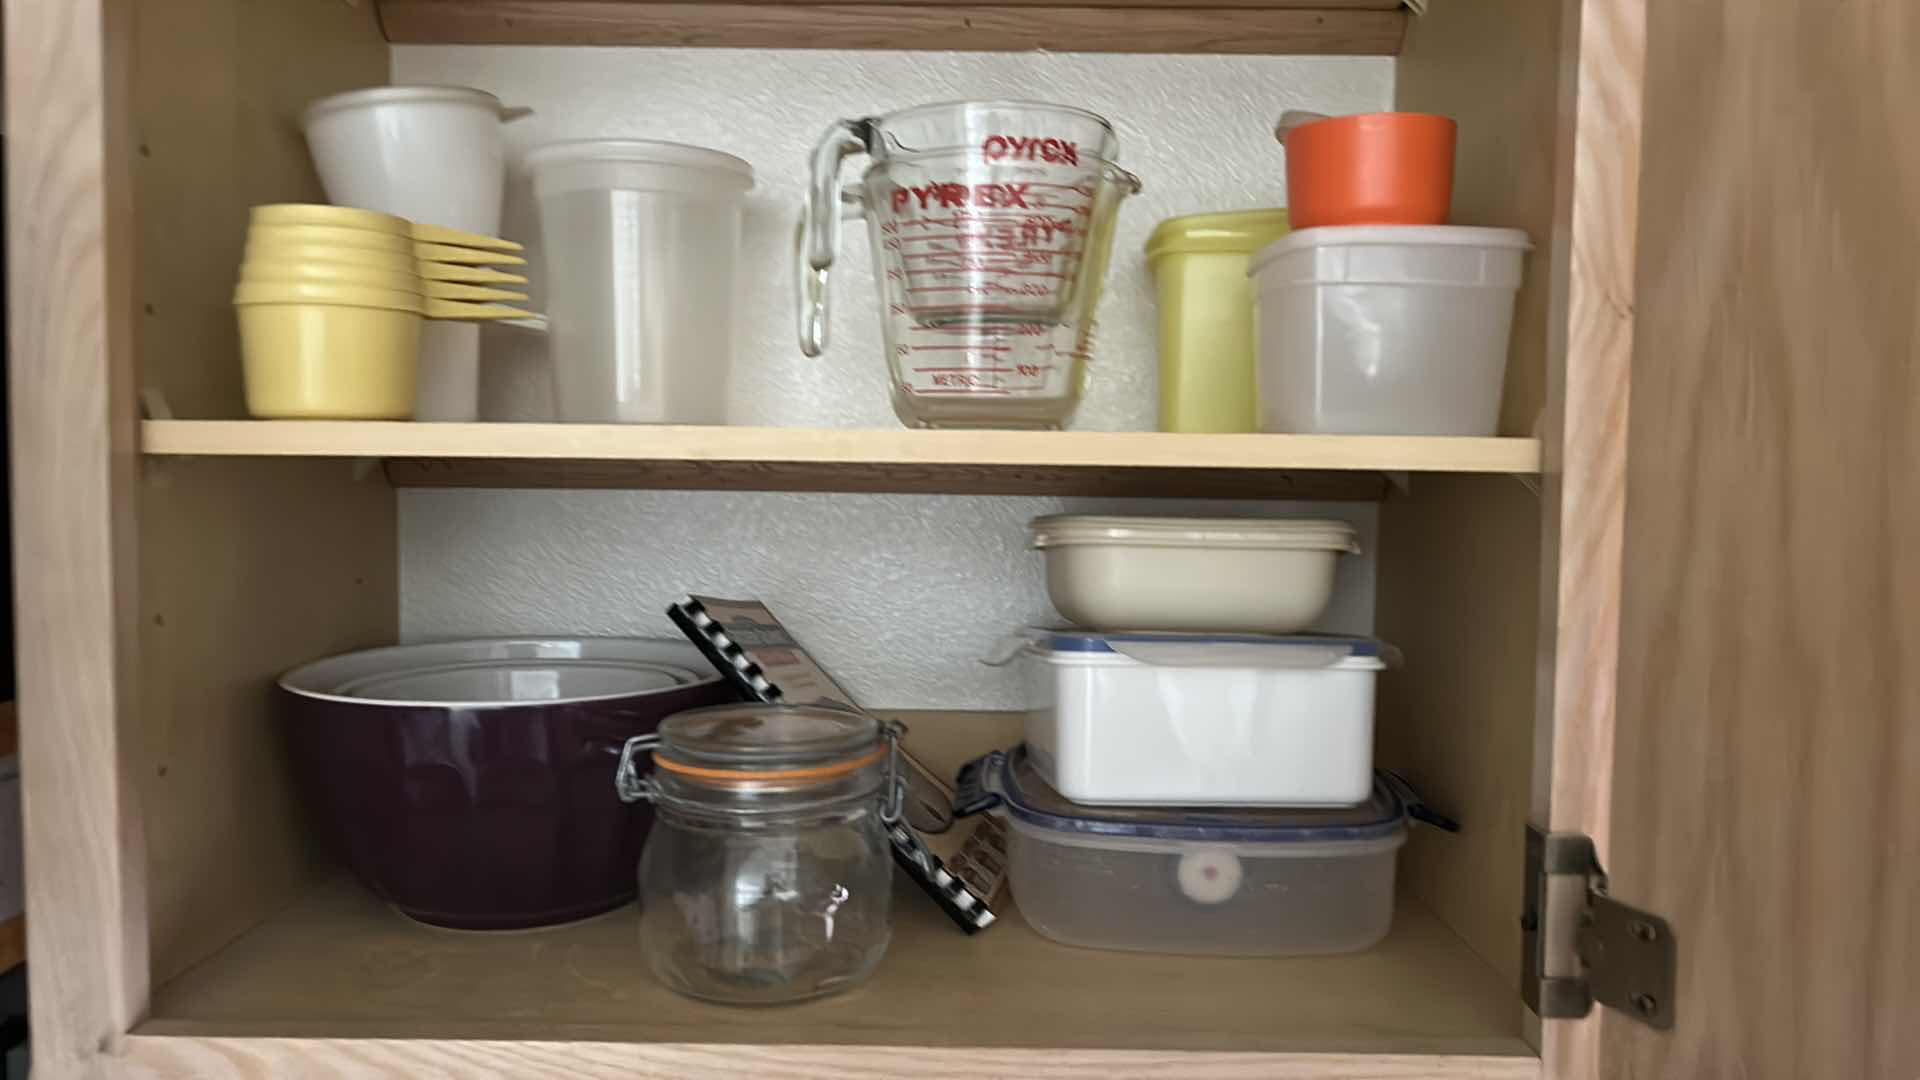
222,543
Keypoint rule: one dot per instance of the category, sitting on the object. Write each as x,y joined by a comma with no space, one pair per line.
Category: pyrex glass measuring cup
991,225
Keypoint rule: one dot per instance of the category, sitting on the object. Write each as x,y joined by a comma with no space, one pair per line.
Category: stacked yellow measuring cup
331,301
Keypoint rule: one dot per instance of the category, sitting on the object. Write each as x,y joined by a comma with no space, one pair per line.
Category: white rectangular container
1385,329
1193,720
1234,882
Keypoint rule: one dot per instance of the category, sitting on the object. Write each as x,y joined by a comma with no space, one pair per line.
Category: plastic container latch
978,785
1417,808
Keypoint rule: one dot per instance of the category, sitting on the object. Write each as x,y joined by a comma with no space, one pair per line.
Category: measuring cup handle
810,293
819,234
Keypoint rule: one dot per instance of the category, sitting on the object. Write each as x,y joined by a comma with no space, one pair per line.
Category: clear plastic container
642,245
1385,329
1231,882
768,874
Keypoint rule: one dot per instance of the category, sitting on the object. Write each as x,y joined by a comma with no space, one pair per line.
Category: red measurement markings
1003,242
930,262
1071,213
980,309
966,331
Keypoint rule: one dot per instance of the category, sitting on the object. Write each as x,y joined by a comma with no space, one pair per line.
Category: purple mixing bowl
470,783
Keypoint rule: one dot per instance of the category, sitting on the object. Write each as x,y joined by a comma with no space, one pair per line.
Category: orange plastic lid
761,743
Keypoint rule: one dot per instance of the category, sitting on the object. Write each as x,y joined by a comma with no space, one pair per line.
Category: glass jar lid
768,742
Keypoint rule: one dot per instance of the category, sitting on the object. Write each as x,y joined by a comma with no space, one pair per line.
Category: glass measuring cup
991,225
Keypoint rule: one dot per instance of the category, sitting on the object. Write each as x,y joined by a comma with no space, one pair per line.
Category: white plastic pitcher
642,243
431,154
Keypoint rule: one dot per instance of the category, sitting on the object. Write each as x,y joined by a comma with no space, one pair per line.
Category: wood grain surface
1457,592
246,567
74,455
1171,28
852,446
888,477
1766,781
341,964
212,1058
13,943
1494,67
1584,438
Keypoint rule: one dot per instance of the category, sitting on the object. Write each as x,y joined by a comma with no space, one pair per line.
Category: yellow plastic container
328,236
338,217
258,250
1199,266
329,353
291,272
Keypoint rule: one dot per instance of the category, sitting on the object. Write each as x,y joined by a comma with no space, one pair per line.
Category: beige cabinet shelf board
803,459
341,964
1268,27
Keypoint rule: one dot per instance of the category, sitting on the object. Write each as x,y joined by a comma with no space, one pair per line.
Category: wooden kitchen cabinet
1672,609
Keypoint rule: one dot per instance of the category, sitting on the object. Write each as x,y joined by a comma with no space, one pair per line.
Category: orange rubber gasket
817,772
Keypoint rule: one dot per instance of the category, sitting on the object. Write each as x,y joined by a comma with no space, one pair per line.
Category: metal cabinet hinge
1581,946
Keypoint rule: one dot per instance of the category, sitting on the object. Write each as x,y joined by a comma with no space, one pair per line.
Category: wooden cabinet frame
72,156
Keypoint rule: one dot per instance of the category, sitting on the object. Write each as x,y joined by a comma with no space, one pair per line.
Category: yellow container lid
1241,232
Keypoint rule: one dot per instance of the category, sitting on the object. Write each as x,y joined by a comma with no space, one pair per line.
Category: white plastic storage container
1178,720
1232,575
1385,329
1235,882
642,242
431,154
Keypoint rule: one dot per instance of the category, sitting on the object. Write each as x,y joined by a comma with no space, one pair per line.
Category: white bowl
490,673
1227,575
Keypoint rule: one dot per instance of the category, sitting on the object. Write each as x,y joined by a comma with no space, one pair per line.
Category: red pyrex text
957,196
1021,148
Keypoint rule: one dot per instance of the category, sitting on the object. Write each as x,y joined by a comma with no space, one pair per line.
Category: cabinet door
1765,791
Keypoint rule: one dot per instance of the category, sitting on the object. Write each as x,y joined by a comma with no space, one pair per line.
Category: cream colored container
1199,266
1223,575
321,352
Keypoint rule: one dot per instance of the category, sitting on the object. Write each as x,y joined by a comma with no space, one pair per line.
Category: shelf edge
835,446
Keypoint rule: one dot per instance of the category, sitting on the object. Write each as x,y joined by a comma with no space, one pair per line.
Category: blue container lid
1008,778
1088,641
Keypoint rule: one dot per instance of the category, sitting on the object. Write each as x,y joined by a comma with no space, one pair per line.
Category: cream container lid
1277,534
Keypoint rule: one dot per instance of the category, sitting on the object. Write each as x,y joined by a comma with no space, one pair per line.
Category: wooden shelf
1273,27
805,459
341,964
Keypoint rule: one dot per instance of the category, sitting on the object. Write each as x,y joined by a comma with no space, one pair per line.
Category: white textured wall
898,595
1196,129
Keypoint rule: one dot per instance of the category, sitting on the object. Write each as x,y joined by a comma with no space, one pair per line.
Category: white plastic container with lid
1232,882
642,243
1197,720
432,154
1385,329
1239,575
